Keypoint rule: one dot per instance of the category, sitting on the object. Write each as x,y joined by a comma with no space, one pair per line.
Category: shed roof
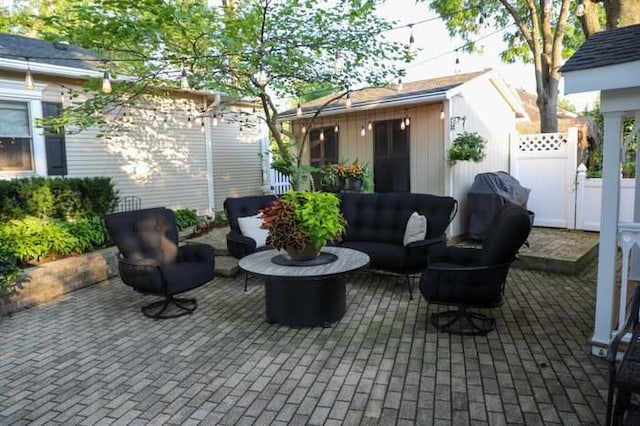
616,46
415,90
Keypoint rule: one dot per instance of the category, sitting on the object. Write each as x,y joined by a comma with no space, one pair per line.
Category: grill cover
487,194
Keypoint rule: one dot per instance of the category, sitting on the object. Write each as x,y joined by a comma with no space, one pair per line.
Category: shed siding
425,140
488,114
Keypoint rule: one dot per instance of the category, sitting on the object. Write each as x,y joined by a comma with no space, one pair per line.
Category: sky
436,56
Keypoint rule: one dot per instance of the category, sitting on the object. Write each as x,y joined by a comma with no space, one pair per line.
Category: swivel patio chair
474,277
152,262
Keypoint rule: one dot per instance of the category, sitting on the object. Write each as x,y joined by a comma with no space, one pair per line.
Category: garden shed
403,132
608,62
164,152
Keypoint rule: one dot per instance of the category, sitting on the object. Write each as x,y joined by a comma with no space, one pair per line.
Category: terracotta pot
308,252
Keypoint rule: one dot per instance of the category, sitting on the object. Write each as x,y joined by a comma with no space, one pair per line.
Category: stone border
53,279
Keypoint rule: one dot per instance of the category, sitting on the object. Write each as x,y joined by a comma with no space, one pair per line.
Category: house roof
616,46
412,92
18,48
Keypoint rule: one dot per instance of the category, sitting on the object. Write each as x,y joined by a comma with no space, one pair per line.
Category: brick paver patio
93,358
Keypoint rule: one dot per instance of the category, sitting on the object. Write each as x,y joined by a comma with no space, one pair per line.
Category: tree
256,49
542,32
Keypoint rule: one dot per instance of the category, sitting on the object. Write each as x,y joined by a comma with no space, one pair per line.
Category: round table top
260,264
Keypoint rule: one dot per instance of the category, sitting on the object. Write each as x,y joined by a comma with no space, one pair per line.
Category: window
323,151
15,137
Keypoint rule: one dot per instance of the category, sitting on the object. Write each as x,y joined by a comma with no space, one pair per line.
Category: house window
15,137
322,150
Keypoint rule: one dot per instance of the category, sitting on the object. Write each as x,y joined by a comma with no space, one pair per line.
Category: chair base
476,324
156,310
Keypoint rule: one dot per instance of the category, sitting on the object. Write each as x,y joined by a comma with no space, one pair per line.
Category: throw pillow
416,228
250,227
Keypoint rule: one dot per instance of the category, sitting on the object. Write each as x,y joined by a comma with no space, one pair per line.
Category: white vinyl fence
561,194
279,182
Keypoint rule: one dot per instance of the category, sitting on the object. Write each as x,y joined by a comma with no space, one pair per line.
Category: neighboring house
413,159
609,62
167,153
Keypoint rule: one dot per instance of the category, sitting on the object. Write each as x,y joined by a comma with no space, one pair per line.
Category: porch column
603,326
634,273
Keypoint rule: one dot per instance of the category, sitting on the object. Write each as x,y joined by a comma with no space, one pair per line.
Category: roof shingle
611,47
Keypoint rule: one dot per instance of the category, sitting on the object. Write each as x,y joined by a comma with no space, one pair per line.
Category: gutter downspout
208,149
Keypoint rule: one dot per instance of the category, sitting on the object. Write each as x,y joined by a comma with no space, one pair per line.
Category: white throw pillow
416,228
250,227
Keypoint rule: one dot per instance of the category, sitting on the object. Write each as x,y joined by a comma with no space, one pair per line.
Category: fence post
514,148
581,177
572,155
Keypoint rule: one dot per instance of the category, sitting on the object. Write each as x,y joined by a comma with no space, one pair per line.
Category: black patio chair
624,377
474,277
152,262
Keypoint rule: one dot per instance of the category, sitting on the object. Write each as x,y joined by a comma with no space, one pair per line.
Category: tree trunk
621,13
547,104
590,21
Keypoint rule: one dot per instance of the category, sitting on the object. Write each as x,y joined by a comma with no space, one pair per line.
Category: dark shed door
391,157
54,142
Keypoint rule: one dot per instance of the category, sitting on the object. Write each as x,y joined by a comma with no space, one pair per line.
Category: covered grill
487,194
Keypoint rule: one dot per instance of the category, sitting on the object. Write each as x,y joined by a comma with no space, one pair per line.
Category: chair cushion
184,276
250,227
416,228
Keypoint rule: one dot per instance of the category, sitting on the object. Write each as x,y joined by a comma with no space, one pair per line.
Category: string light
362,131
299,110
441,113
215,119
347,103
189,122
338,64
400,85
262,76
184,81
412,43
370,125
407,121
580,9
321,134
62,96
457,68
28,77
402,125
106,83
304,129
336,129
202,124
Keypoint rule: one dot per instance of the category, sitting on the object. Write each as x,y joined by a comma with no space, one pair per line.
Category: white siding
486,113
237,163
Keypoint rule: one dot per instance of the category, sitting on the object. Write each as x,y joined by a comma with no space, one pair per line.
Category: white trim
208,149
48,69
617,76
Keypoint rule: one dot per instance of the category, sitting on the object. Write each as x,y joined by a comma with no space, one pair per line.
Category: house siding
425,141
237,163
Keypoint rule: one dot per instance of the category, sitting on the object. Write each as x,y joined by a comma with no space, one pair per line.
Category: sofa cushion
416,228
250,227
389,257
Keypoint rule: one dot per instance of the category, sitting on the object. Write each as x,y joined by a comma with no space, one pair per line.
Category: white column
634,274
572,155
608,231
208,149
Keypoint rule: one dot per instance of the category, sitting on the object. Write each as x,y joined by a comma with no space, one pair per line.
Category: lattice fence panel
542,142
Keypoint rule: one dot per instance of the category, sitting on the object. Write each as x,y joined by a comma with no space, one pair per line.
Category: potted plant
331,180
301,222
467,146
355,174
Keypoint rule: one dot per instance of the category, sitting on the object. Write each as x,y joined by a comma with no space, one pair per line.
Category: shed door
391,157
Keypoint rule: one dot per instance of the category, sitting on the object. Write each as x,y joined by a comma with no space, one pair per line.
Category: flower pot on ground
355,174
355,184
299,219
467,146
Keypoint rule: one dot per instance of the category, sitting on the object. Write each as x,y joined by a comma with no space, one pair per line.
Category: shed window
15,137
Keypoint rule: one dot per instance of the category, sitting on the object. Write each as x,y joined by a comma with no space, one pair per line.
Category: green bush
466,146
66,199
9,269
186,218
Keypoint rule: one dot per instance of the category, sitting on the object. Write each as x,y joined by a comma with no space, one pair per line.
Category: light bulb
304,129
106,83
338,65
221,118
189,122
321,135
370,125
62,97
407,121
184,81
362,131
402,125
262,76
336,129
202,125
441,113
400,85
347,103
28,78
412,45
215,119
580,9
299,110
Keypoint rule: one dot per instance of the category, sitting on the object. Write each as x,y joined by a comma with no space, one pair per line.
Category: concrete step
226,266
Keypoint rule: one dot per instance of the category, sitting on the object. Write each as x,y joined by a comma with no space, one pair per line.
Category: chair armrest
197,252
632,320
139,263
427,242
239,245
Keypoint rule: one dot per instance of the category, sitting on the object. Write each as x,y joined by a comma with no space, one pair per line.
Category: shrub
186,218
67,199
9,269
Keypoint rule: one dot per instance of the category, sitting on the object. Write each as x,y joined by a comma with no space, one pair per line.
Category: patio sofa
376,225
